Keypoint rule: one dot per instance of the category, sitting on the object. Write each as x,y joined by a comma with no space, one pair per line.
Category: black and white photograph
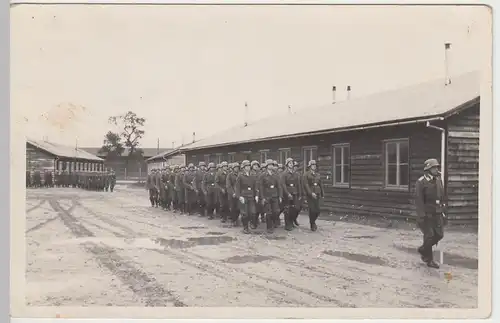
276,157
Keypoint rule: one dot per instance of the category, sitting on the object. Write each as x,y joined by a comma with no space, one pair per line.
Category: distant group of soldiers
88,180
256,192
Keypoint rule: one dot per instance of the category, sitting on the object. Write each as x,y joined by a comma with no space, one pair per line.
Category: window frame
342,146
218,158
311,149
288,152
264,152
230,157
206,158
397,142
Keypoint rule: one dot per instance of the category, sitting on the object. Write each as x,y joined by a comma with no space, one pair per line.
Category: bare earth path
92,248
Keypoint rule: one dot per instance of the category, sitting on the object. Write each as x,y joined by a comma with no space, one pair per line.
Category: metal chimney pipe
447,49
246,114
289,109
334,92
194,136
348,92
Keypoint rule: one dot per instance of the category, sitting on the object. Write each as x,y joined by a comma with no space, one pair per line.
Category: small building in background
135,169
169,157
44,156
370,151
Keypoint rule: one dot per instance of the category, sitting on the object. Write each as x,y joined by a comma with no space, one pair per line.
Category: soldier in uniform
313,189
150,186
430,206
292,192
209,189
220,184
296,168
246,191
180,190
161,187
256,172
230,188
112,180
173,179
28,178
169,187
217,202
270,195
200,197
260,206
37,179
191,191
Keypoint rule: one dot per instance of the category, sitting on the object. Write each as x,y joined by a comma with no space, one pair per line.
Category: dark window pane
403,152
314,154
391,174
403,175
391,153
346,155
338,155
347,174
338,174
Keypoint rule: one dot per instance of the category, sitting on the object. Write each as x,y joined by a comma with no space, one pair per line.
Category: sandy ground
113,249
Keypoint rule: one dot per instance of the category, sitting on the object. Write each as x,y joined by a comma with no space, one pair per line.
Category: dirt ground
112,249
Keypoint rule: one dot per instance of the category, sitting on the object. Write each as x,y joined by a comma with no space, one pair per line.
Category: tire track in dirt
137,280
216,264
34,207
42,224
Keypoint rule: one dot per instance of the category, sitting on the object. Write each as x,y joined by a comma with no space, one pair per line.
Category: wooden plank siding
463,165
366,195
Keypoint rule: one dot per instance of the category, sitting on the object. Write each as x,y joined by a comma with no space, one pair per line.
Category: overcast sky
189,69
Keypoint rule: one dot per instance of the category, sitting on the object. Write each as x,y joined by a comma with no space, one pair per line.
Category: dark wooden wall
367,194
463,165
37,159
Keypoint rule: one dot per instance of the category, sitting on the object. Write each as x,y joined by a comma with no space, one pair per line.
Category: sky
192,68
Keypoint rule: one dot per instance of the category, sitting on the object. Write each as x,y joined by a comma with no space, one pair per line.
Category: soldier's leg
151,197
210,204
426,227
288,214
313,206
245,215
267,210
223,200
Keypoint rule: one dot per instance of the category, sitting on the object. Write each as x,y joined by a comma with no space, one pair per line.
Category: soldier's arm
261,187
278,185
204,183
307,188
301,187
283,184
184,181
419,199
218,180
237,189
321,187
229,187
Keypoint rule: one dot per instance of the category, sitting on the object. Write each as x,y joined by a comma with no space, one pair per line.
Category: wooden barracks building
371,150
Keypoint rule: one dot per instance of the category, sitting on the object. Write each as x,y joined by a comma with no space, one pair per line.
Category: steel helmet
211,165
224,163
311,162
288,160
429,163
201,164
235,165
245,163
264,165
191,165
254,162
270,162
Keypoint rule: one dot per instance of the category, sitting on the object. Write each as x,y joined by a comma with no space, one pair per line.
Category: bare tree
132,131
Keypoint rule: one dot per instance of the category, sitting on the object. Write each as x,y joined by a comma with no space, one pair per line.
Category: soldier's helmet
218,166
288,161
270,162
202,164
211,165
224,164
235,165
295,163
191,165
280,166
254,162
176,167
245,163
311,162
263,165
429,163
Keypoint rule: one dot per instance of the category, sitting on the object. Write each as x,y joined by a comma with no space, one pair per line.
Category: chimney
447,49
173,144
289,109
194,136
348,92
246,115
334,92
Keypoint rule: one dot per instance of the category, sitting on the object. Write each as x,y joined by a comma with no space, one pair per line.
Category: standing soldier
279,172
313,188
37,179
217,202
150,186
175,198
191,192
297,170
180,189
220,184
200,197
292,192
430,205
270,195
161,188
255,171
28,178
230,188
260,206
169,187
209,190
247,193
112,180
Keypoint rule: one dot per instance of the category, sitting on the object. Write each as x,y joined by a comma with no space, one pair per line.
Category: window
397,163
263,156
341,165
230,157
247,155
310,153
207,159
284,154
219,158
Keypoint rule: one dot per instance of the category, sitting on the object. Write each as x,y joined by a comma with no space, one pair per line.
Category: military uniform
175,198
200,196
209,190
220,184
270,195
169,187
292,193
191,191
28,179
230,188
430,207
180,190
313,189
161,189
151,187
246,190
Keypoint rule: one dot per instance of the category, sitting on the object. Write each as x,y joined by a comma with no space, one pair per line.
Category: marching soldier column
88,180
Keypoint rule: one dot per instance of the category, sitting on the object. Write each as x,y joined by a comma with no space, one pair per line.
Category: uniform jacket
312,184
198,180
150,181
189,181
208,182
429,195
231,182
291,183
270,186
220,181
179,181
246,185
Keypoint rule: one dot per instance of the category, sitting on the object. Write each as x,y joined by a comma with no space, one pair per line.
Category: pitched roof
165,154
63,151
147,151
424,100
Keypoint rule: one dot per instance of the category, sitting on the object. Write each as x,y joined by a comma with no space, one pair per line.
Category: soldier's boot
288,221
295,217
254,221
263,217
245,220
210,212
277,221
312,220
152,200
270,223
224,216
